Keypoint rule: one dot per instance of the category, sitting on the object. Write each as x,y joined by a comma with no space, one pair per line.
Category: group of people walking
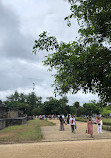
89,129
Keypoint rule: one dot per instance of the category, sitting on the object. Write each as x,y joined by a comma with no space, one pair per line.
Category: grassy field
29,132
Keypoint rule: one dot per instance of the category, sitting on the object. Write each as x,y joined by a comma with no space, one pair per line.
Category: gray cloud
13,43
20,23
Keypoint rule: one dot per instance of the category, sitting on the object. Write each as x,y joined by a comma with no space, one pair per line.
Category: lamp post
33,87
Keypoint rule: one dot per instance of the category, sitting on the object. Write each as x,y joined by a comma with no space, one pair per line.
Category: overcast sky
21,21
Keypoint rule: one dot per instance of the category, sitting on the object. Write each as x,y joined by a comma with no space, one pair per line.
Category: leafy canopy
84,64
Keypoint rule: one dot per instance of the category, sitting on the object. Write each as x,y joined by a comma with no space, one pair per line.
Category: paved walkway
52,133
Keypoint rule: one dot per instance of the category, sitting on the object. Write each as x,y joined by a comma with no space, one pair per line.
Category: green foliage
28,103
108,128
106,112
87,109
54,106
85,64
32,105
50,43
94,18
90,108
76,105
81,119
106,121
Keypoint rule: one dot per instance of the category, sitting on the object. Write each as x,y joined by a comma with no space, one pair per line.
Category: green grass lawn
24,133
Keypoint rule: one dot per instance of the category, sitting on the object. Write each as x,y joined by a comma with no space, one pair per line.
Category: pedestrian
61,123
99,125
72,123
90,126
68,118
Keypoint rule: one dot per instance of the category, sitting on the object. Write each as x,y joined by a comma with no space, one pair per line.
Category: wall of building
9,117
3,113
12,121
2,123
16,121
12,114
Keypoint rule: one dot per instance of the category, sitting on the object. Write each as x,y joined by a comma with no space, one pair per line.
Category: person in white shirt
99,125
72,123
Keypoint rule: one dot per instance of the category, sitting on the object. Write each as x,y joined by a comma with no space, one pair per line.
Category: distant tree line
31,104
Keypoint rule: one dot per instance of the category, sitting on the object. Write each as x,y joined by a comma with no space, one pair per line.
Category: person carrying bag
72,123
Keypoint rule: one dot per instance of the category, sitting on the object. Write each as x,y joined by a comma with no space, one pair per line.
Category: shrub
105,127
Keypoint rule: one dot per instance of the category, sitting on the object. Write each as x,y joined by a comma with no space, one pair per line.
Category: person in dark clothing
61,123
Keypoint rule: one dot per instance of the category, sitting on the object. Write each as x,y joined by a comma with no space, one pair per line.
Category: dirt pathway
52,133
71,149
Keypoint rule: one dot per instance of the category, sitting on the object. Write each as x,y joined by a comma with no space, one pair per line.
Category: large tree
90,108
54,106
76,105
30,104
86,63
